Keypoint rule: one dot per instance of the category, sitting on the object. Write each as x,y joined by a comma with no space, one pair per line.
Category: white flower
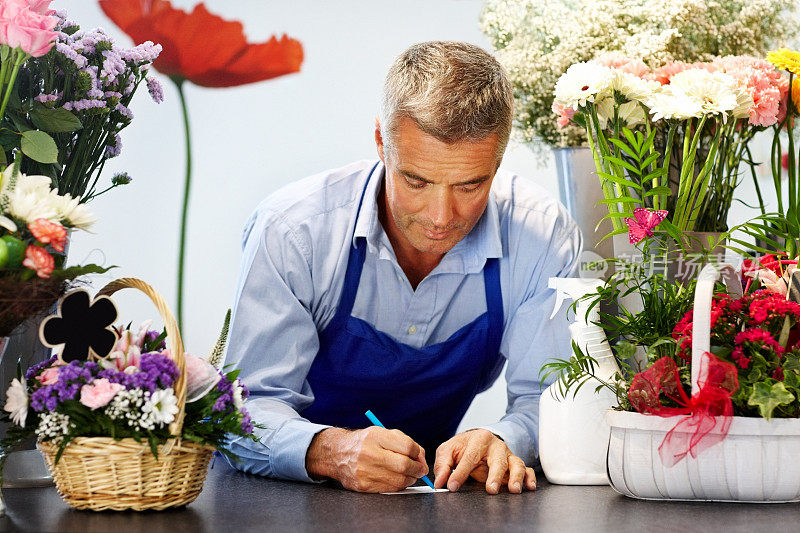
8,224
162,406
17,402
715,92
583,82
633,87
53,425
30,205
630,113
668,103
71,211
238,401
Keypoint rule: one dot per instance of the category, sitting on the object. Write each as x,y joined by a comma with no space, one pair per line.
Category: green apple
3,254
15,249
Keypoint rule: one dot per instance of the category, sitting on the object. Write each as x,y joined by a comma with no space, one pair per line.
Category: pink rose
25,24
49,376
99,392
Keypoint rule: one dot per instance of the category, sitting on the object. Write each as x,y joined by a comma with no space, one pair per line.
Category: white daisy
633,87
668,103
162,406
17,402
29,205
71,211
716,92
583,82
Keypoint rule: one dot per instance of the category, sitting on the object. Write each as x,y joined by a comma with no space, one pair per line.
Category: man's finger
530,479
404,465
396,441
443,464
472,457
516,474
497,460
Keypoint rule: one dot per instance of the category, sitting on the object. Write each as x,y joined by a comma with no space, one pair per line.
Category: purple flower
155,89
70,53
247,423
122,178
71,378
33,371
143,53
83,105
124,111
113,150
45,98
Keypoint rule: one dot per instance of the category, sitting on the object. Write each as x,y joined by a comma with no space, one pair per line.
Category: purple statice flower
152,334
46,98
113,66
90,40
112,94
146,52
130,84
70,53
122,178
83,105
71,378
33,371
114,148
160,367
247,422
124,111
155,89
225,401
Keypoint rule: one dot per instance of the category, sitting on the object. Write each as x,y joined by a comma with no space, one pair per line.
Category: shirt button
412,330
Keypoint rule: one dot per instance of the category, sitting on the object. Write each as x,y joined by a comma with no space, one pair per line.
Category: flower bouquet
133,429
35,224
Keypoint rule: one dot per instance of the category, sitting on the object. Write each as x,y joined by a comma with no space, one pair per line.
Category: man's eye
415,184
470,188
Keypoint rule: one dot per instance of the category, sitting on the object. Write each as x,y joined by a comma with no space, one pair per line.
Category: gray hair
453,91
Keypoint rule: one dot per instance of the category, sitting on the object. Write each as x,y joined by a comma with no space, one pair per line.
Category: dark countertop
233,502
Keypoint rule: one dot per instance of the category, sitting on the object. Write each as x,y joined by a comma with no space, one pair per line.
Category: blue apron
423,392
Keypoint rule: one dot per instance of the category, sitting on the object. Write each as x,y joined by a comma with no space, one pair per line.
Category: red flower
38,259
49,232
202,47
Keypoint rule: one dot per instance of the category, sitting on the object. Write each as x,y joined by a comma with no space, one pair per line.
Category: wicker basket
100,473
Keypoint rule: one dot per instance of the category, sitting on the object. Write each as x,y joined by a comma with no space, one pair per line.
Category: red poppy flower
202,47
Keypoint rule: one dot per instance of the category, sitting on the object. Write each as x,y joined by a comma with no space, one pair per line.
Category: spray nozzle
574,289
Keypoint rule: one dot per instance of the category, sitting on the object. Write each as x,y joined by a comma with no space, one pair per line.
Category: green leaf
621,181
659,191
39,146
622,200
767,397
620,162
55,120
625,148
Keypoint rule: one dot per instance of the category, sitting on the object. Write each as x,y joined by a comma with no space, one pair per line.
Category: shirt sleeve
531,337
274,340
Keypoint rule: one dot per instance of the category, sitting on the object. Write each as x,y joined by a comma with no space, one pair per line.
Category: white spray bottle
573,434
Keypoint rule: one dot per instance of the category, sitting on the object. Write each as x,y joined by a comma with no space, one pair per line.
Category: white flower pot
756,462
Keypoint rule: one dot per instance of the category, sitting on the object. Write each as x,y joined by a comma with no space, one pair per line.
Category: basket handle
173,338
701,316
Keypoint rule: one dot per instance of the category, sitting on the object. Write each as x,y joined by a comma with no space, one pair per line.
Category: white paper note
424,489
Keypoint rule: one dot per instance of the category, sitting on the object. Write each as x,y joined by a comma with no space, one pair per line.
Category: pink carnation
49,376
765,84
565,114
624,63
99,392
664,74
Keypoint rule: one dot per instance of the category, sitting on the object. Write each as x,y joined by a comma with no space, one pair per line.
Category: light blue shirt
296,247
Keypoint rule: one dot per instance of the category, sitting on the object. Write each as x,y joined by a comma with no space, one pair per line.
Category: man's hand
480,454
367,460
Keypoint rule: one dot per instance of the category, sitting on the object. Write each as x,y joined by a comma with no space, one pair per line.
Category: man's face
435,192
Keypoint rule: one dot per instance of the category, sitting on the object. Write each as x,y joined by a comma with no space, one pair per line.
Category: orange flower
202,47
49,232
38,259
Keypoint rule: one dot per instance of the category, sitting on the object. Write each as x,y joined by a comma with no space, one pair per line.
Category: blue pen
374,420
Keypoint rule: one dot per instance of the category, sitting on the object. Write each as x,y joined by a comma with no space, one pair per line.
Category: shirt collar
469,255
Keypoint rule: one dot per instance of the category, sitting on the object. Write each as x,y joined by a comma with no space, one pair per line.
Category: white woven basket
758,461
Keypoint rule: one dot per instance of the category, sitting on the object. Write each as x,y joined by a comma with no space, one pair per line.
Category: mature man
403,286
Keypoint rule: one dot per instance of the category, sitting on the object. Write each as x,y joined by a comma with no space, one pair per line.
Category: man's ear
379,139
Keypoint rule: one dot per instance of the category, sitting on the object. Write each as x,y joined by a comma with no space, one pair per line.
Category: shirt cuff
516,438
290,446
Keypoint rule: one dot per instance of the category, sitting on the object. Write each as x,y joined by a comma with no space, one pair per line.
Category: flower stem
185,209
20,59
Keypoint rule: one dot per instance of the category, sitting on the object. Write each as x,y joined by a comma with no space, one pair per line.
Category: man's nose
441,208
